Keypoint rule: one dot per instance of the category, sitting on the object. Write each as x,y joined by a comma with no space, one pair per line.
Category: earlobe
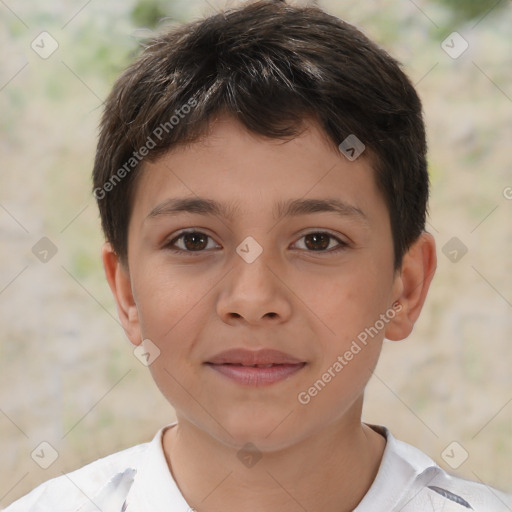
119,281
411,286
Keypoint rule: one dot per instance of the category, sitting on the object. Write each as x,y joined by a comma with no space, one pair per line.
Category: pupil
316,237
198,241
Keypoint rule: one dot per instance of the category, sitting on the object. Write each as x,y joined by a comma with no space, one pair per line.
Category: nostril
237,315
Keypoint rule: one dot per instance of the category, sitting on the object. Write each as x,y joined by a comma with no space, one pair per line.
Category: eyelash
170,245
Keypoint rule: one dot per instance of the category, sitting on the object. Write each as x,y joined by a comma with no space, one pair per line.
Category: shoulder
79,486
408,480
436,489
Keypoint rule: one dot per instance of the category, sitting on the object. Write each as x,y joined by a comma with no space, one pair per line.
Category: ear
411,285
119,281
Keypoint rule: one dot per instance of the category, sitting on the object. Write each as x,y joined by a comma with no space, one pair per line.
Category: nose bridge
252,262
253,289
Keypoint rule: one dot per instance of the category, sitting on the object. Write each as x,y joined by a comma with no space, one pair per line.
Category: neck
330,470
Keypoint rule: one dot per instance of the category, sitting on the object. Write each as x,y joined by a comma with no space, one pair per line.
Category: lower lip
253,376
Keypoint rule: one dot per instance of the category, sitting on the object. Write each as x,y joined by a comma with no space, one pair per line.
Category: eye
320,241
189,241
196,242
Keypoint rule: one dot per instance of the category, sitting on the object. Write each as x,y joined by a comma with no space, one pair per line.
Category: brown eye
189,241
195,241
317,241
322,242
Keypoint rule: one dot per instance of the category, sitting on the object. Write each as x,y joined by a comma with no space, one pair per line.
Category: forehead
241,169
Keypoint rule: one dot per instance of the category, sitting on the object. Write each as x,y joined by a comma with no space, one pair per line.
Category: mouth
257,375
261,368
251,365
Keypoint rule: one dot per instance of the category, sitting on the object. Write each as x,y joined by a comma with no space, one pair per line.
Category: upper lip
249,357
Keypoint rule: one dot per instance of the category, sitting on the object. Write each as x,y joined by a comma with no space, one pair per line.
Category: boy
262,184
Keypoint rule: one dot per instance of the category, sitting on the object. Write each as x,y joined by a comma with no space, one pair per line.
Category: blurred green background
68,375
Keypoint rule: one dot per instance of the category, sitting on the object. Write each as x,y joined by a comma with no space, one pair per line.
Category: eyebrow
290,208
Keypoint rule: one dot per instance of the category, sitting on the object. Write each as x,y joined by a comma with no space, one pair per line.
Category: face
297,257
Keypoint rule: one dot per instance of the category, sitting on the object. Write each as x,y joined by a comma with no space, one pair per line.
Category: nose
254,293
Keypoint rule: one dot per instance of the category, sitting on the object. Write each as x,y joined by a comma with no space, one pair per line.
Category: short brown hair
270,65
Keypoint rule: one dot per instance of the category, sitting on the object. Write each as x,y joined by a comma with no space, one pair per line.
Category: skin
308,303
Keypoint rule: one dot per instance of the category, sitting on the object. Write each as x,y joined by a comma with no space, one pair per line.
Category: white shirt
138,479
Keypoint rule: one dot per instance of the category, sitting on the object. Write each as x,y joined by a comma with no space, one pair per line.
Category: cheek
334,388
164,302
347,302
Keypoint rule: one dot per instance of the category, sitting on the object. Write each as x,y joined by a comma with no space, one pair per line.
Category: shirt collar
155,490
400,466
